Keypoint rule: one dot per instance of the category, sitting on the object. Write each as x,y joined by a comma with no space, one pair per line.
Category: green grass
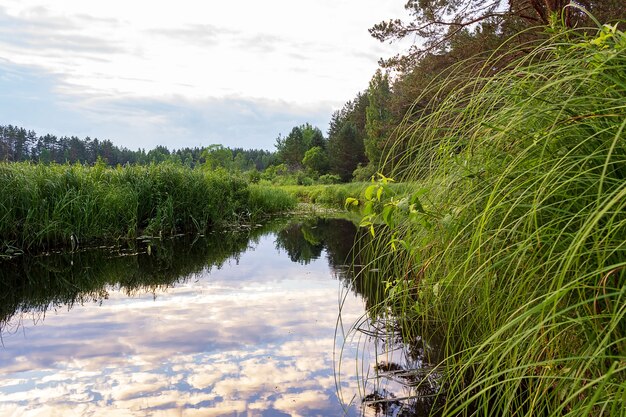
514,250
41,206
265,200
335,195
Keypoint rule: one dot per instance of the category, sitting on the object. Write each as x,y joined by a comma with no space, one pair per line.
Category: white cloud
114,63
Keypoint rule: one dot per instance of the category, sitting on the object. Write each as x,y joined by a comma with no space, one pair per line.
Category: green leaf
388,214
379,193
383,179
368,209
350,201
366,221
416,204
369,191
394,242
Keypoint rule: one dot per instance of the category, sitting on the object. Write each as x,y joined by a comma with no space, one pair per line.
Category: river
267,322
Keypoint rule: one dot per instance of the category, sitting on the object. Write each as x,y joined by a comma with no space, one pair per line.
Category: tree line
18,144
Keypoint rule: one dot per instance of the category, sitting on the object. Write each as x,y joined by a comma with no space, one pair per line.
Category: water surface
229,325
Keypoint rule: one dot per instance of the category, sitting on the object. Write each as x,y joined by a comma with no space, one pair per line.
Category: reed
43,206
265,200
514,250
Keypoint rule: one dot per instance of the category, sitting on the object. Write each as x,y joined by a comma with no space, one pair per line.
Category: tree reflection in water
404,378
397,379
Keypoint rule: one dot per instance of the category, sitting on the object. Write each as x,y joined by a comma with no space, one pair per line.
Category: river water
237,324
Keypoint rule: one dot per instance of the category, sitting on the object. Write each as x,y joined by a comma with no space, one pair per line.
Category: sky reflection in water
253,338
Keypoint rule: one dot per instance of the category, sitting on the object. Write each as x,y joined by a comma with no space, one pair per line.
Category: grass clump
42,206
513,251
268,200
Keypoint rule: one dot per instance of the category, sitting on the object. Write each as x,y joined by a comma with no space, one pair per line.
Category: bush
329,179
265,200
364,173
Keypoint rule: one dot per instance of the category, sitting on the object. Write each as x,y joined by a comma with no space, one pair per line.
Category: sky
186,73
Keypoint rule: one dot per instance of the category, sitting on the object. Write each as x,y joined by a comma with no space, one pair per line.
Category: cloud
243,341
182,83
44,33
43,102
262,43
145,74
29,98
178,122
207,35
296,403
202,35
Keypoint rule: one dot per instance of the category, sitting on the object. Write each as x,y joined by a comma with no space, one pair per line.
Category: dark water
264,323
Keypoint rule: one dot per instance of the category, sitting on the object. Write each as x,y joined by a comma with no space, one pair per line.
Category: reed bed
44,206
514,250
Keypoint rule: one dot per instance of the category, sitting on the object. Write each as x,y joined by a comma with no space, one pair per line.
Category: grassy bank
42,206
514,250
335,195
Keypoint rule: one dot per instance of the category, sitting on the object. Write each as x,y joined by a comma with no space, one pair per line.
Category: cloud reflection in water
253,338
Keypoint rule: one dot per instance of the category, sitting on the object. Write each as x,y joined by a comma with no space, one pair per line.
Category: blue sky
186,73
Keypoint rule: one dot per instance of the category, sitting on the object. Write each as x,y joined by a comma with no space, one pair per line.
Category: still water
263,323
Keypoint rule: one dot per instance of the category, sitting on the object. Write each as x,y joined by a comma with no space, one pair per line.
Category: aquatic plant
513,248
42,206
269,199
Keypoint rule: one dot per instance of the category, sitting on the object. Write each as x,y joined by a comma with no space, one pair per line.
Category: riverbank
44,206
513,250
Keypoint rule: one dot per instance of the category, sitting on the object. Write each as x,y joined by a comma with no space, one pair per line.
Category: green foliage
329,179
346,151
303,179
18,144
511,245
274,171
42,206
217,156
293,148
378,117
316,160
253,176
264,200
364,173
335,195
439,22
346,138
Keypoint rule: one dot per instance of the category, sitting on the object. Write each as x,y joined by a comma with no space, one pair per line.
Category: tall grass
269,199
514,251
42,206
335,195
